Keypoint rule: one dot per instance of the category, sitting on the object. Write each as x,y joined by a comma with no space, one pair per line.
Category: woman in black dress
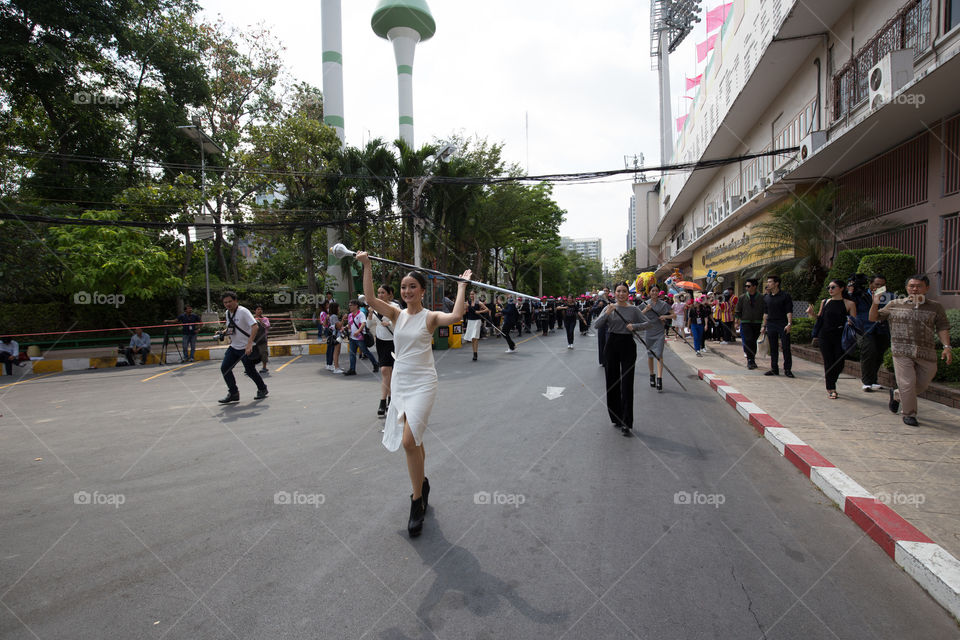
834,314
571,312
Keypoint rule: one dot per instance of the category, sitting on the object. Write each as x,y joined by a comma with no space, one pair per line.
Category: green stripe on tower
404,68
406,120
333,121
333,56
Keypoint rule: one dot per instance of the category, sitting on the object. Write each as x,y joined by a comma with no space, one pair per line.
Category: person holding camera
334,337
357,326
243,329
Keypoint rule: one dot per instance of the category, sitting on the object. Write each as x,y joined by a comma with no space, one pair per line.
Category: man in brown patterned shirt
913,321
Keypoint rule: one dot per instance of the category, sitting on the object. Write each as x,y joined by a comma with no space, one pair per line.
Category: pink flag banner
705,47
716,17
692,82
680,122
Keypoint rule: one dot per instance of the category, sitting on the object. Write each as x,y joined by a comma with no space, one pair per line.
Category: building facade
589,248
631,226
865,90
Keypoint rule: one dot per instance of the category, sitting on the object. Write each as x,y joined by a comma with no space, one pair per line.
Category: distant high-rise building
631,227
589,248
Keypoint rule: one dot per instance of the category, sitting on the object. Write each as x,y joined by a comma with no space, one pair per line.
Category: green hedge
896,267
800,332
801,285
30,318
846,264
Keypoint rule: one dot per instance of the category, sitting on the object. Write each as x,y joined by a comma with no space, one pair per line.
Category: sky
578,72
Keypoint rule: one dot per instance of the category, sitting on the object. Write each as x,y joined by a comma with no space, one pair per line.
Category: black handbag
368,338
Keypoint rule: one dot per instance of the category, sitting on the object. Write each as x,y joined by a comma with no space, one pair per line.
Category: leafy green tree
114,259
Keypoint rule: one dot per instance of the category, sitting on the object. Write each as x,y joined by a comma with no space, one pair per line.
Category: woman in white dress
413,386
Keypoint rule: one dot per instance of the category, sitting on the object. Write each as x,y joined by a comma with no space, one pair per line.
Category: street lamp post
207,145
421,183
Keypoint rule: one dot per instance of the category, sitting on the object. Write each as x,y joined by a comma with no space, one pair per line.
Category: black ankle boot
653,380
425,492
474,356
659,384
415,524
382,409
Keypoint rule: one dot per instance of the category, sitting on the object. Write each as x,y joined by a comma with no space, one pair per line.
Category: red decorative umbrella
686,284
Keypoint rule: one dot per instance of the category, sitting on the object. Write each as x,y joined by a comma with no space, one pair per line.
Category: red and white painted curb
932,566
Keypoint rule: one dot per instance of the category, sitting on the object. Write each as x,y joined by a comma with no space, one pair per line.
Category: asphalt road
157,513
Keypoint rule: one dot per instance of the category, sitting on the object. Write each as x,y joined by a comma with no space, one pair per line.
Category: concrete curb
934,569
83,364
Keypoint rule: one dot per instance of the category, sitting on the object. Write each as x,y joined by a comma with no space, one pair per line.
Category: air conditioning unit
734,202
754,190
711,213
701,231
810,145
890,75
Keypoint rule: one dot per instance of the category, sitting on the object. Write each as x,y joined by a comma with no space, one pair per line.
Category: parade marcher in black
619,321
602,301
526,312
571,312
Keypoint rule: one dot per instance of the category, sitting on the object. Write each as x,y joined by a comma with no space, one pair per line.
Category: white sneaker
328,367
569,346
510,351
699,355
867,387
877,387
338,370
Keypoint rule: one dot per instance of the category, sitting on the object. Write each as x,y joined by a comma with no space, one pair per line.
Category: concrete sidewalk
916,470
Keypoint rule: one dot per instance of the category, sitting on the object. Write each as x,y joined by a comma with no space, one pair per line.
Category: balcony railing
908,29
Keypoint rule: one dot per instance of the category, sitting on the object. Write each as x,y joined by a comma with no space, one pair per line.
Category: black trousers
749,333
621,356
230,358
873,345
570,324
778,337
831,348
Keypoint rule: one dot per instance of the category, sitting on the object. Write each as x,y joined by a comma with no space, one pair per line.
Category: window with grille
911,240
951,156
950,254
893,181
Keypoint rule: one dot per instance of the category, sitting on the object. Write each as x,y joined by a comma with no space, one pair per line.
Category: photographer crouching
245,332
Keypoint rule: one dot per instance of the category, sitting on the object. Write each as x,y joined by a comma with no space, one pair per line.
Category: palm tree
808,227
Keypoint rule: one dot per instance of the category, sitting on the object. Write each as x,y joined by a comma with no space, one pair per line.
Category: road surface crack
733,572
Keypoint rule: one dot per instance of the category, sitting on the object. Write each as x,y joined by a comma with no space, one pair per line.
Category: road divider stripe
280,368
169,371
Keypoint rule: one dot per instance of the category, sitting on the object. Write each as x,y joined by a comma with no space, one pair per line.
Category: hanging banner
680,122
706,47
716,17
692,82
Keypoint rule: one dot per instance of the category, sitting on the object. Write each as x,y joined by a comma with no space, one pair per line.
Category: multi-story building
866,89
589,248
631,226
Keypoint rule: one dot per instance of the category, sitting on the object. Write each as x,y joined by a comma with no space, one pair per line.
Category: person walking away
414,385
139,345
833,316
385,346
777,320
242,328
913,321
511,318
189,324
619,320
334,336
749,318
474,322
356,324
262,345
876,335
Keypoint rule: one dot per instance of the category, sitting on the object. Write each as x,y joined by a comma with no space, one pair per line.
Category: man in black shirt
777,320
189,323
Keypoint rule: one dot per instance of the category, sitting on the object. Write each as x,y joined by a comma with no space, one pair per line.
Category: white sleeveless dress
413,386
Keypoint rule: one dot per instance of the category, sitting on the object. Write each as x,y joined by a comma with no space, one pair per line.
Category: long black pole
659,359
